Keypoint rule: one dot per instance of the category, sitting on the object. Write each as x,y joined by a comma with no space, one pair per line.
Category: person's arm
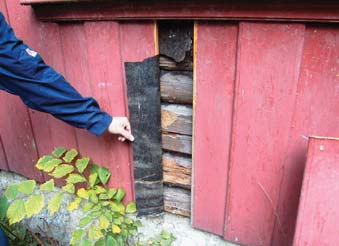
24,73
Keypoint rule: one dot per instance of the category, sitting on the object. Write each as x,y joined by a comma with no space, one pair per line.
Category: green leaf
137,223
62,171
118,220
94,168
110,241
70,188
88,206
104,175
101,242
27,187
119,195
83,193
11,192
94,214
41,162
131,208
55,202
75,178
58,152
93,197
70,155
108,195
116,229
77,235
50,165
73,205
92,179
85,221
114,207
103,222
94,233
108,215
99,189
16,211
3,207
165,234
48,186
121,208
81,164
128,221
34,204
111,193
86,242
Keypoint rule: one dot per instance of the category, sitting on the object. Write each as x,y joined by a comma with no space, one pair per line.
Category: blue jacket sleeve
24,73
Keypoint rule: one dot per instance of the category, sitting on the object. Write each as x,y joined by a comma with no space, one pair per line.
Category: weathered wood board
144,107
177,170
177,201
176,87
177,143
176,119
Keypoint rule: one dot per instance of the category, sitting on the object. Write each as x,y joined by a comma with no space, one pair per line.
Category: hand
121,127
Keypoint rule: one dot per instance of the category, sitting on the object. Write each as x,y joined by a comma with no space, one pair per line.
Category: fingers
121,127
126,135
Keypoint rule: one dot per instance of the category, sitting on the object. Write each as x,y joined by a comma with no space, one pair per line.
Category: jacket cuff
101,126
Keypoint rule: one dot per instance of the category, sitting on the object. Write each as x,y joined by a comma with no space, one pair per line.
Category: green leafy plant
106,221
19,235
165,238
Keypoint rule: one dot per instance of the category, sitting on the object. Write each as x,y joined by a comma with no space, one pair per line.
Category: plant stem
8,230
36,238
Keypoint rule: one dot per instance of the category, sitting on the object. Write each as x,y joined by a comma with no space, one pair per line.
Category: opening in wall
176,83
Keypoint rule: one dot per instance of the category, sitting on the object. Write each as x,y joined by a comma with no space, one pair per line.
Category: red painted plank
318,216
3,159
327,11
107,84
15,124
54,132
75,47
215,51
316,113
3,8
145,34
268,62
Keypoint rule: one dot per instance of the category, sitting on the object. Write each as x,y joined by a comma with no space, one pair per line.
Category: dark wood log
177,143
177,201
167,63
177,170
176,88
176,119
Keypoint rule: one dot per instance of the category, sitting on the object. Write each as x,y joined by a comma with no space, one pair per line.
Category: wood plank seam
229,172
277,224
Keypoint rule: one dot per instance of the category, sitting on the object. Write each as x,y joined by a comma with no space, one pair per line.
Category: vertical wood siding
286,78
91,56
215,52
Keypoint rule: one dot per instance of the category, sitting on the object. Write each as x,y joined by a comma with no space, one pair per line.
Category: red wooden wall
260,89
91,55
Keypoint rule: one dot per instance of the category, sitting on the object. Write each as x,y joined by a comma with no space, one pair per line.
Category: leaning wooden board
318,215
